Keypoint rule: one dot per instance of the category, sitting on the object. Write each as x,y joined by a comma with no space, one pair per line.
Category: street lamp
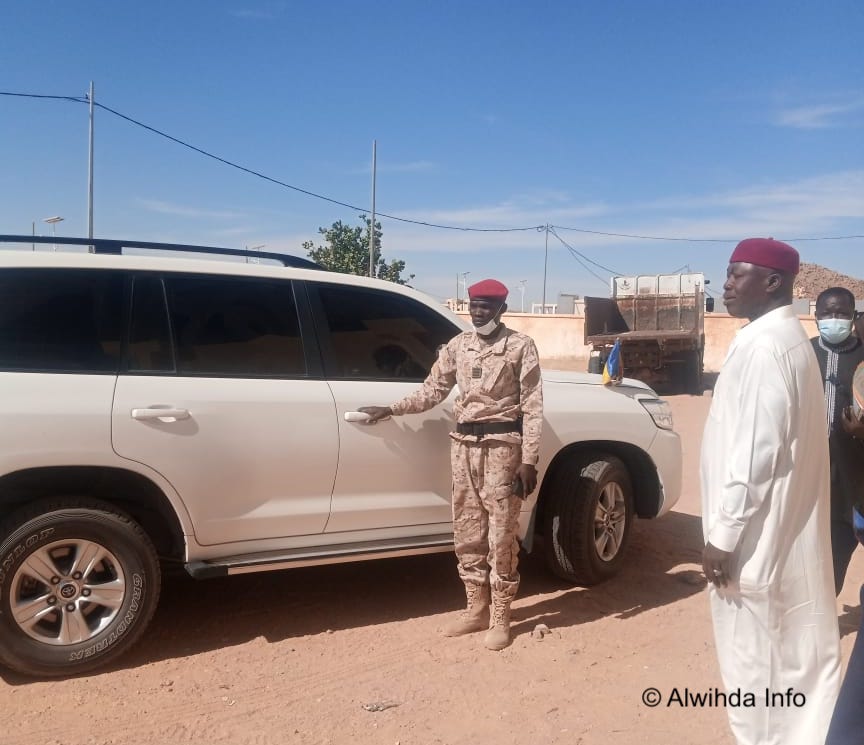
52,221
522,283
465,285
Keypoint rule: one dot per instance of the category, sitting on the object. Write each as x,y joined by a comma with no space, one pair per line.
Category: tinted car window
234,327
60,320
379,335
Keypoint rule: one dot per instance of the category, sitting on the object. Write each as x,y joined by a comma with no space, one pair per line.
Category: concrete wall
561,339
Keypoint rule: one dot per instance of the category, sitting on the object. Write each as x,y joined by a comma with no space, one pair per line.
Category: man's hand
527,474
851,425
376,413
715,564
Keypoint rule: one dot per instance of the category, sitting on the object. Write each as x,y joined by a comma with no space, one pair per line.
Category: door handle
356,416
166,414
362,417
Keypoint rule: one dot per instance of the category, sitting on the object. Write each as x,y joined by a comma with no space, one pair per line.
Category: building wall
560,339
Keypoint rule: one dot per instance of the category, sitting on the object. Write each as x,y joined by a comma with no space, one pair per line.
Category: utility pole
465,285
90,173
372,225
545,263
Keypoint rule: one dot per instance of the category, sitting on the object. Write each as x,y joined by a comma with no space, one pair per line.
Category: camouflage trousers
486,514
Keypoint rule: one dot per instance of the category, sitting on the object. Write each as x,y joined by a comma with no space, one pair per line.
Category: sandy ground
353,654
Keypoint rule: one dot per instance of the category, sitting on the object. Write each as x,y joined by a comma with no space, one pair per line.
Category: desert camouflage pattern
498,381
486,515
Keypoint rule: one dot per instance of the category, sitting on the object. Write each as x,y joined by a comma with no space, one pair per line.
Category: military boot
475,617
498,635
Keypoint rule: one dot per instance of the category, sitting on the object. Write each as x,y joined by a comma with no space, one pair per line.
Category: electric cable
225,161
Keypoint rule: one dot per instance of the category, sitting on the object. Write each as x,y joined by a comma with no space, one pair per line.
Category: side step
316,555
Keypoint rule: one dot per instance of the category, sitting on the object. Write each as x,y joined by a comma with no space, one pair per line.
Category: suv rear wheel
79,582
588,515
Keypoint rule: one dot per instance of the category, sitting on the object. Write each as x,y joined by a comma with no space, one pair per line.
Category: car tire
587,518
79,582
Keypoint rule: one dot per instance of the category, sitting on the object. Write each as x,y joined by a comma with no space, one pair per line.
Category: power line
258,174
701,240
574,251
76,99
304,191
579,258
263,176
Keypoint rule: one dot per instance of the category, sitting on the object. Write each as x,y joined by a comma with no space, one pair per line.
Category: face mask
489,327
834,330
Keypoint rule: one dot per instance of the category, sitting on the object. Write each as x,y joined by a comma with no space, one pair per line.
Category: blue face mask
834,330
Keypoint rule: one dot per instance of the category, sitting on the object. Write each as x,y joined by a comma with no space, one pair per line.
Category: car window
234,327
375,335
60,320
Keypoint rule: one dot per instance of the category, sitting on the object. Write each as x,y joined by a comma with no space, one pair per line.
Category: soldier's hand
376,413
527,474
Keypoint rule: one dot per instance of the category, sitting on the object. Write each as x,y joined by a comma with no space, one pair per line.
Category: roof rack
113,246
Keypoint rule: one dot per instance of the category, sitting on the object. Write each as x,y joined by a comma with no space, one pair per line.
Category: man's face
746,290
484,309
835,306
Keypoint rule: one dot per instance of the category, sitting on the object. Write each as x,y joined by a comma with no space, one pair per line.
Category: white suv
158,408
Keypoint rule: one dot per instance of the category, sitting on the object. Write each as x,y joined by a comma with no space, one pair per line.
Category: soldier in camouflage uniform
494,453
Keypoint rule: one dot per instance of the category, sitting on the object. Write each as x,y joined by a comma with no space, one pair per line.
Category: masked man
494,453
839,352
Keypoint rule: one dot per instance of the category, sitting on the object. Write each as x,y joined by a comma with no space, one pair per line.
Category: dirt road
353,654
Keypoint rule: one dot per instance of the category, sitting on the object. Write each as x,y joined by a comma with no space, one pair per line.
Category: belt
479,429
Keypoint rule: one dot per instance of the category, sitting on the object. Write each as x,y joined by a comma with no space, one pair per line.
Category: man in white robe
765,511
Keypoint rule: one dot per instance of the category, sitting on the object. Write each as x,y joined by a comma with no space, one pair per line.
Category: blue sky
678,119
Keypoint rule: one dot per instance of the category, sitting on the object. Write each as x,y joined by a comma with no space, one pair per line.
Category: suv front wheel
79,582
588,515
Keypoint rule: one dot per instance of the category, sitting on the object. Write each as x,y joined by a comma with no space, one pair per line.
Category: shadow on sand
200,616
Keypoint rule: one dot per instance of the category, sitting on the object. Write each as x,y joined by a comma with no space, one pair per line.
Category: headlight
660,411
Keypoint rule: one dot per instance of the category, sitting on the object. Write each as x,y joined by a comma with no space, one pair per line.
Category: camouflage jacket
498,381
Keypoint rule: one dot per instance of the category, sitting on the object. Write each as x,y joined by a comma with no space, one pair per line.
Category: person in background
847,724
765,510
839,352
494,453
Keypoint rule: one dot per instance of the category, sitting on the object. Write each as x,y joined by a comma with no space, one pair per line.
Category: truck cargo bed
625,336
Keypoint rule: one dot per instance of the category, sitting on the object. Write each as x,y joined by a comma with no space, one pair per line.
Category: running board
317,555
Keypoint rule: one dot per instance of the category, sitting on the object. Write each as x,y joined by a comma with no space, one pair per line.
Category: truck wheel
693,373
79,582
587,518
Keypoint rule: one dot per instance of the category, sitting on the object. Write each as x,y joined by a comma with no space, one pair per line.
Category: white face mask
834,330
490,326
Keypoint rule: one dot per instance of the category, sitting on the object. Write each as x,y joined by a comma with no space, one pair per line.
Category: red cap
768,253
488,288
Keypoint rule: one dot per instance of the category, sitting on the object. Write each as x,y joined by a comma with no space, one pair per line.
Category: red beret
768,253
488,288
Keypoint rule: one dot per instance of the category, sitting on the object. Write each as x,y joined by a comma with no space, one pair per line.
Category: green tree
346,250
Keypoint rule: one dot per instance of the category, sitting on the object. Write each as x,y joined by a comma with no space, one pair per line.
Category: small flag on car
612,370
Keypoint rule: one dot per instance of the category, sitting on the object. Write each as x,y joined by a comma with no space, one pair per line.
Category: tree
346,250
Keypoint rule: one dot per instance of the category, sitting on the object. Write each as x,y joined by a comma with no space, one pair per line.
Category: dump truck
659,321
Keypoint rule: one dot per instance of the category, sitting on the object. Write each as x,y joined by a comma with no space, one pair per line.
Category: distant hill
812,279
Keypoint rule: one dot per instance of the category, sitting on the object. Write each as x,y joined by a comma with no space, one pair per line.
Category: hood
628,385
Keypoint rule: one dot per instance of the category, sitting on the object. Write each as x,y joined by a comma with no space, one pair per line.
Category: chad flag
612,370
